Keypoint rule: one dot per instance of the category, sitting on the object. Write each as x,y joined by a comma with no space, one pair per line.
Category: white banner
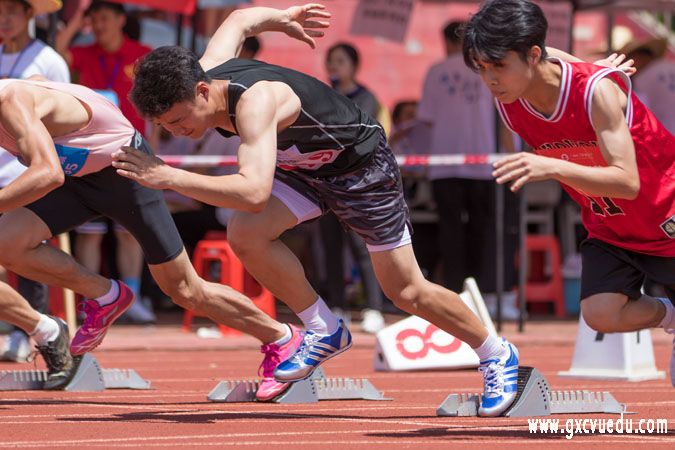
383,18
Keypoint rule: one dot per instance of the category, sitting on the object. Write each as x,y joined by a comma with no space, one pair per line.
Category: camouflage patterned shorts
368,200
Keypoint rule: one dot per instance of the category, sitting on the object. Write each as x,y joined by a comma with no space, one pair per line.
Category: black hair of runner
501,26
164,77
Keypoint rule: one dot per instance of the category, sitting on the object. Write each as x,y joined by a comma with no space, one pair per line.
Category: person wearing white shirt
654,82
460,112
656,87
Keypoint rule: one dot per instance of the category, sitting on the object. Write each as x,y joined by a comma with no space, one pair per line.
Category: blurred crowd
453,207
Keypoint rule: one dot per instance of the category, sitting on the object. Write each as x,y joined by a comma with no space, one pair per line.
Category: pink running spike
274,354
98,319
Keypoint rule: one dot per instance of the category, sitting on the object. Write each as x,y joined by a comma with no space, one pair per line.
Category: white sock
319,319
287,337
47,330
492,347
111,296
668,321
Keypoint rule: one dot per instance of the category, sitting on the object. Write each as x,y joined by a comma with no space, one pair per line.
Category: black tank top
331,135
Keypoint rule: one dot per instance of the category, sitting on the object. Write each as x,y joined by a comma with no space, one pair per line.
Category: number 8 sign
415,344
427,340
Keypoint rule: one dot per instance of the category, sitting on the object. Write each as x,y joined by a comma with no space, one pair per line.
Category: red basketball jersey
646,224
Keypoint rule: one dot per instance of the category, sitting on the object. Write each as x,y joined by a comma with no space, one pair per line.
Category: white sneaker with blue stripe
314,350
500,376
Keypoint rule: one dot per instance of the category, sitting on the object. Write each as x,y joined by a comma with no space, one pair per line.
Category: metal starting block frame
88,377
311,390
535,398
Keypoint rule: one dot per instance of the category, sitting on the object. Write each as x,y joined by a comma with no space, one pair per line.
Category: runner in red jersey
607,149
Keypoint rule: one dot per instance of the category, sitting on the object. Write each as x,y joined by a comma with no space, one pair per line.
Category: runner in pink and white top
88,149
66,134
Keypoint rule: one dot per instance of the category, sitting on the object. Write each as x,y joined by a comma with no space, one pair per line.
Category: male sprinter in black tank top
304,149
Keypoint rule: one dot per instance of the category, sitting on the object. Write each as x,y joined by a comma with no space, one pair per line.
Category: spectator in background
409,136
342,63
654,81
21,56
250,48
461,113
108,66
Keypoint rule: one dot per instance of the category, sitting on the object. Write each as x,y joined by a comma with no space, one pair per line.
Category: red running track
183,368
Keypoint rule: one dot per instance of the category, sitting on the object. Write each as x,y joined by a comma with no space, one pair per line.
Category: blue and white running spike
500,377
314,350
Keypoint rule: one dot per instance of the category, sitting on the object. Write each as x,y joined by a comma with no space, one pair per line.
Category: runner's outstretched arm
299,22
250,188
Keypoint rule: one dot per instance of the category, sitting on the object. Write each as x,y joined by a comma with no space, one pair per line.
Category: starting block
88,377
311,390
534,398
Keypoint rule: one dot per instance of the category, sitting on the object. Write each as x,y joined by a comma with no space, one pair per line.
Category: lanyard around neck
112,75
11,73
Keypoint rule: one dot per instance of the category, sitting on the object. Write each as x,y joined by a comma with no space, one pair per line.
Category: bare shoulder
277,92
261,93
15,93
609,90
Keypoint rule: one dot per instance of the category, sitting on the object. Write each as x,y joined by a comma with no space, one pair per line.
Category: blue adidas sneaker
500,377
314,350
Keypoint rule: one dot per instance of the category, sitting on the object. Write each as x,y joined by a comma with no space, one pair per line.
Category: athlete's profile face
14,19
184,119
508,78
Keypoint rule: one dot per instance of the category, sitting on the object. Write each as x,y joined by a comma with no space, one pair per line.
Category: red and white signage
415,344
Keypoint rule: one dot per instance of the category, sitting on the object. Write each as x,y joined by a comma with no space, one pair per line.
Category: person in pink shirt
66,135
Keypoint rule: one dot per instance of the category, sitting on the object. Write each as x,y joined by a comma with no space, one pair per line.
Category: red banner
186,7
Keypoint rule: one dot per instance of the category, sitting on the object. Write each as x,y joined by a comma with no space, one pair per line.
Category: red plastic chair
550,290
215,248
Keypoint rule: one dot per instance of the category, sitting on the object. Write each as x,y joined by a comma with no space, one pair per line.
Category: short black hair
97,5
252,45
398,110
452,32
349,49
164,77
501,26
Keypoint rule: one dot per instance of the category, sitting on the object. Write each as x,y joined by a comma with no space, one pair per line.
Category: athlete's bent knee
598,320
243,233
406,298
11,249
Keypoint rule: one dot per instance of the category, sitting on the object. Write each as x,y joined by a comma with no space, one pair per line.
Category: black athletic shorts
610,269
141,210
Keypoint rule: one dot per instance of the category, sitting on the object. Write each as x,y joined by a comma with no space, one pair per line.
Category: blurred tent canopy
585,5
187,7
